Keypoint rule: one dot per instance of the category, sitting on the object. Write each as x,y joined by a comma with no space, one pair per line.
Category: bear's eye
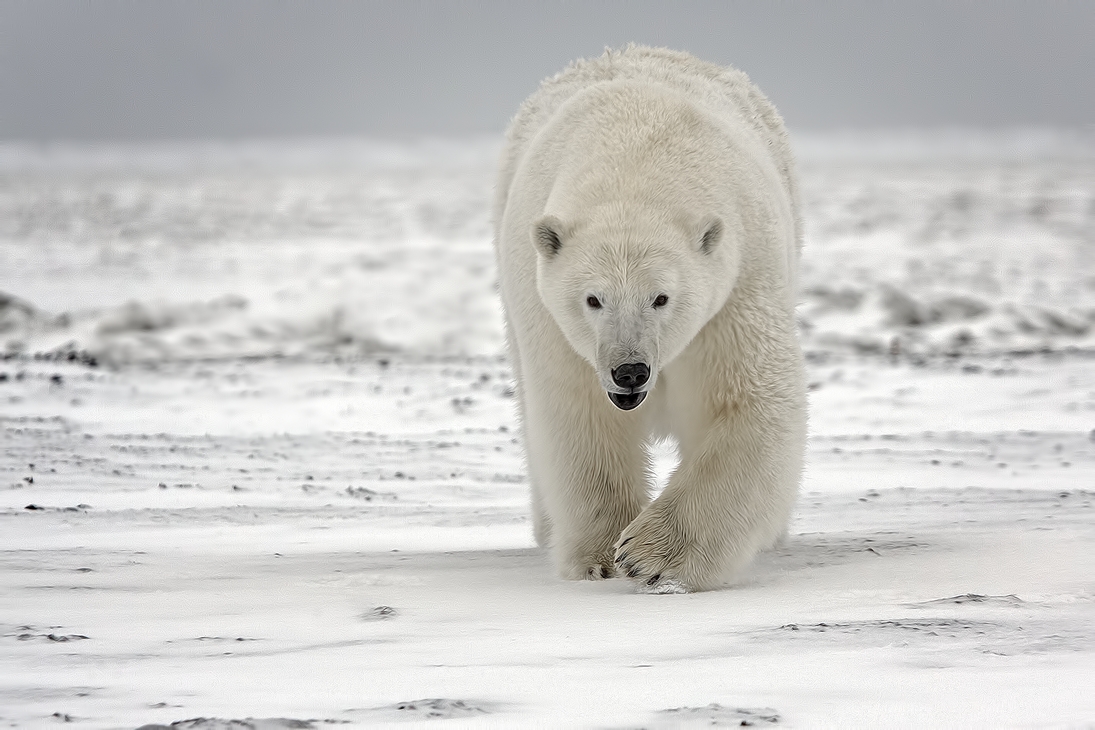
593,302
661,300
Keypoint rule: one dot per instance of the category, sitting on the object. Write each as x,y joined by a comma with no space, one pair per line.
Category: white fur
647,172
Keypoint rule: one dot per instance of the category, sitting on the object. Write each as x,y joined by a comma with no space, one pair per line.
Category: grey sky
138,69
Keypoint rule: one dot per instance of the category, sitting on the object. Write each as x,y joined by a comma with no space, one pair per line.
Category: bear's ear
712,234
547,235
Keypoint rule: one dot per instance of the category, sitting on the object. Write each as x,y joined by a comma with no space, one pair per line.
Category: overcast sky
155,69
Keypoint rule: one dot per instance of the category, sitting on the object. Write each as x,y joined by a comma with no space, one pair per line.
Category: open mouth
626,401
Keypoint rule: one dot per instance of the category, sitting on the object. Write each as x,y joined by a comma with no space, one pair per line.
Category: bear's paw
653,552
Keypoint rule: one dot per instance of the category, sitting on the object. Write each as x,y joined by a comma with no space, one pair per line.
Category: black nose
631,375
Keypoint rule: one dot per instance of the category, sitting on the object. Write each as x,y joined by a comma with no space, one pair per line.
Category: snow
260,463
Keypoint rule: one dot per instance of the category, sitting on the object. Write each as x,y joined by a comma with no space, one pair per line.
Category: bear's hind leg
541,522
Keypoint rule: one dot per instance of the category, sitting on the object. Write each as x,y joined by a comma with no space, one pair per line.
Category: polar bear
647,239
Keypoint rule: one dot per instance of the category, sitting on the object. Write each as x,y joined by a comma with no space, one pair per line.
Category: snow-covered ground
259,458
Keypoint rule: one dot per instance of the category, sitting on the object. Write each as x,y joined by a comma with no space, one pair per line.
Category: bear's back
722,90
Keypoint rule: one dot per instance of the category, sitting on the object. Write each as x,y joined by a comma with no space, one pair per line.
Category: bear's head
630,289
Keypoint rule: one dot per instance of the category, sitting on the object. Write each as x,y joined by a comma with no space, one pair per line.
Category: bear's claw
599,572
623,556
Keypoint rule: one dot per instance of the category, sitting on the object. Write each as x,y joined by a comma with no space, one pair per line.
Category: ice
260,462
140,254
914,245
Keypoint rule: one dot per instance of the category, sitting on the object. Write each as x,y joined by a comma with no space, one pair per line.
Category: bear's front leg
588,467
730,498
